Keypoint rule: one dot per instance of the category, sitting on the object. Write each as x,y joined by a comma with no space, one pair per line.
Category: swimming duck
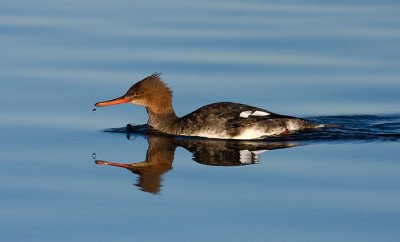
222,120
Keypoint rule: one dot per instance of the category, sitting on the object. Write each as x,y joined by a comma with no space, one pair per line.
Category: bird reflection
161,150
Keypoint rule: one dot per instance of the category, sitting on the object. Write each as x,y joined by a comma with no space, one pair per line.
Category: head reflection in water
161,150
159,157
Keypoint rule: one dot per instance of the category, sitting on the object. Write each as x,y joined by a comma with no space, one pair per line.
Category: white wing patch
260,113
246,114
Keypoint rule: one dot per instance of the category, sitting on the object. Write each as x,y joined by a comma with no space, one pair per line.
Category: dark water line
341,128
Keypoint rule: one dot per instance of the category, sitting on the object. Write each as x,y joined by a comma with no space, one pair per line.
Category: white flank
212,135
246,114
248,134
251,133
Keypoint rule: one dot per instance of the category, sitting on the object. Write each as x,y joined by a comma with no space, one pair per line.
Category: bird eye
133,93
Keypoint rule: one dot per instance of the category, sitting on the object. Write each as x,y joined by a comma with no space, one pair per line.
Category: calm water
335,62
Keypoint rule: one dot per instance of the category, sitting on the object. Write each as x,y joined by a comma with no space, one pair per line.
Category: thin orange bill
112,102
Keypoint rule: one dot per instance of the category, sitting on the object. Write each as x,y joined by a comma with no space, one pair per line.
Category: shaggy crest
152,82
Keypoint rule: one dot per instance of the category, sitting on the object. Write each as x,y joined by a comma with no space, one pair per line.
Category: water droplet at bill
94,156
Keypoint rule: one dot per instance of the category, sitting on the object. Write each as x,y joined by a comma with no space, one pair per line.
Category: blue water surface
335,61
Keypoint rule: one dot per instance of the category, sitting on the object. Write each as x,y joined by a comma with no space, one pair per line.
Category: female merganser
224,120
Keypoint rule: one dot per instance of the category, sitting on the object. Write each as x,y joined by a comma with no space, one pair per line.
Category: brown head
151,92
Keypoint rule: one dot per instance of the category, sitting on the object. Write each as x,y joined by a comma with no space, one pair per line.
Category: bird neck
163,121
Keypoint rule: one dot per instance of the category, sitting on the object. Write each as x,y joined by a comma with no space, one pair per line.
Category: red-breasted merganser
223,120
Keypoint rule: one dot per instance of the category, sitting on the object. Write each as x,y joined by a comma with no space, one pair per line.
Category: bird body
223,120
